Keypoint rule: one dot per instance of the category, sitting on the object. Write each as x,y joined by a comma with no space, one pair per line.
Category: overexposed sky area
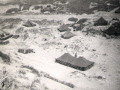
17,1
9,1
5,1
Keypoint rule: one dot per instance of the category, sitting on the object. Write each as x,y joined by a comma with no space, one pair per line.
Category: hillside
28,59
67,47
74,6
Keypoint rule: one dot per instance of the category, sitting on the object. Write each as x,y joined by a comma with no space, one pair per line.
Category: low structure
29,24
78,63
78,27
67,35
114,29
12,10
72,19
101,22
26,7
63,28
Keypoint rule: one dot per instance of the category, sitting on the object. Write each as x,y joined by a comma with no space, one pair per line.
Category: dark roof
37,7
114,29
66,58
82,62
67,35
73,19
78,63
12,10
47,9
29,24
81,21
100,22
26,7
63,28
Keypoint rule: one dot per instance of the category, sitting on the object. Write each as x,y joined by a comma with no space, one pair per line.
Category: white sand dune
104,52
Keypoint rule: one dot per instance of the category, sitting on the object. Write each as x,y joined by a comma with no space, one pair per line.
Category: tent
114,29
49,9
100,22
26,7
63,28
118,10
78,27
29,24
12,10
72,19
81,21
78,63
82,63
67,35
65,59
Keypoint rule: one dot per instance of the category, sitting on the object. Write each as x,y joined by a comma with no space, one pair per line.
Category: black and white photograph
59,44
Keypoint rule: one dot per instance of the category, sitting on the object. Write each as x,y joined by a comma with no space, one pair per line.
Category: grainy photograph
59,44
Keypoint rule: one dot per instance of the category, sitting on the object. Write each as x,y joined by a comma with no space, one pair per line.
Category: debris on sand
5,58
25,51
5,37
